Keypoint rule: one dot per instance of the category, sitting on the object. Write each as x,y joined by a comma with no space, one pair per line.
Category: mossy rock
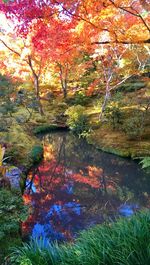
36,154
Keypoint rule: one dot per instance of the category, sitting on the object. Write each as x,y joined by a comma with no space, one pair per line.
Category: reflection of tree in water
69,191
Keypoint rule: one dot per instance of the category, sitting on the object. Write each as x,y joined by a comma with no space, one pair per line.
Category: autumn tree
55,42
123,22
61,25
110,21
26,60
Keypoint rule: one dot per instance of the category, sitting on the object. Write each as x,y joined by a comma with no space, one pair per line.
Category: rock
14,176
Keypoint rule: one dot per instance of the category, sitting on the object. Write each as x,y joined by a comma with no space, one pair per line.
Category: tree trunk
63,81
107,97
36,87
65,89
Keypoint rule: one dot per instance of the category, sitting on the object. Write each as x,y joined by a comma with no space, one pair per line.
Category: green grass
125,242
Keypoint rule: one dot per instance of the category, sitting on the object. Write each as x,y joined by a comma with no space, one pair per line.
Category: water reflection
128,209
76,186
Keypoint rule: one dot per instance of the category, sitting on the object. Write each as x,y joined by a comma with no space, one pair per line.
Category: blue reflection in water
38,231
128,209
61,213
60,185
62,210
30,184
46,233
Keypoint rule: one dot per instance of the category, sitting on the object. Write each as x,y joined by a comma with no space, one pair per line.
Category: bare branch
121,82
122,42
9,48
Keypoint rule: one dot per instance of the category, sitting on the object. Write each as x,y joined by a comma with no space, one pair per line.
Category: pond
77,186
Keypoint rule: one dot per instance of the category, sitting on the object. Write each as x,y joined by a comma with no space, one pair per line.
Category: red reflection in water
60,198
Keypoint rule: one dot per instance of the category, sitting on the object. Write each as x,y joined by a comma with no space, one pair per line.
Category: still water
77,186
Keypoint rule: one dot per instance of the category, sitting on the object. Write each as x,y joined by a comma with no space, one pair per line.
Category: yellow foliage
107,13
2,152
80,27
133,32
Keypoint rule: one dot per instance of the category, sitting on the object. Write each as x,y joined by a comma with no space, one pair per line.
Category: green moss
47,128
36,154
115,151
116,142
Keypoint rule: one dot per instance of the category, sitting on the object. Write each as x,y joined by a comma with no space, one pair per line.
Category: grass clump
125,242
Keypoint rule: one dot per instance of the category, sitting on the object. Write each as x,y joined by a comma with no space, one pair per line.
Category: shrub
113,111
77,119
80,98
134,127
12,212
115,116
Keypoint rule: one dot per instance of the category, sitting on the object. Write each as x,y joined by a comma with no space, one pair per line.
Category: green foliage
35,253
4,125
12,212
134,127
115,116
131,86
145,162
46,128
80,98
11,99
125,242
28,101
7,106
6,86
36,153
77,119
113,111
